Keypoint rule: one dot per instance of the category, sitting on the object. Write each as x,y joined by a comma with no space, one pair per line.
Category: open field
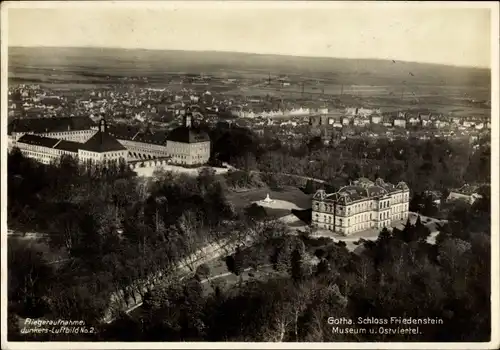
93,65
401,90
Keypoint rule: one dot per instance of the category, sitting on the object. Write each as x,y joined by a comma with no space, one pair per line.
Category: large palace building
360,206
100,147
38,138
184,145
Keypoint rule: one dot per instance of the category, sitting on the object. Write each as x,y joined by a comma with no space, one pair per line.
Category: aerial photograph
263,172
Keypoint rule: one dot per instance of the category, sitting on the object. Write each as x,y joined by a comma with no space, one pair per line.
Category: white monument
268,199
275,203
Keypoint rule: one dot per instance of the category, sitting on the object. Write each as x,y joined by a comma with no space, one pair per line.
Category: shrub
203,271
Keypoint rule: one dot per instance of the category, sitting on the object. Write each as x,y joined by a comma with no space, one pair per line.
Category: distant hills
140,62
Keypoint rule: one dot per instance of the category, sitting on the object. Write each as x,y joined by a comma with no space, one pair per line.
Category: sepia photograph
247,174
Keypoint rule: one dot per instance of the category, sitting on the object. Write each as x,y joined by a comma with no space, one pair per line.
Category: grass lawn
277,213
290,194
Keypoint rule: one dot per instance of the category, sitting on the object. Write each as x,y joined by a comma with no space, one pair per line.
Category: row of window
113,155
361,226
399,208
383,215
60,152
356,219
158,153
87,153
43,149
38,155
356,208
142,145
81,132
33,147
329,208
45,157
200,156
163,151
196,148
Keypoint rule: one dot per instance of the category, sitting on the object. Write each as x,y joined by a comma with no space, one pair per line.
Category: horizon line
250,53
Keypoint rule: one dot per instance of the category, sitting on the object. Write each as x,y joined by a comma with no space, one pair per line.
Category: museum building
362,205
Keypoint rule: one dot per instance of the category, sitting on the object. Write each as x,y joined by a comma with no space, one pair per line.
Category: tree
309,188
255,212
206,179
320,253
297,268
384,235
203,271
230,264
238,261
282,254
316,143
323,268
29,277
421,231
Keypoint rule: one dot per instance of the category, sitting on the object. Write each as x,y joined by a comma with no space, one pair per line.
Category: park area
219,275
281,203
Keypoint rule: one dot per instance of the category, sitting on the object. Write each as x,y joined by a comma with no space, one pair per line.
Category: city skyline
460,36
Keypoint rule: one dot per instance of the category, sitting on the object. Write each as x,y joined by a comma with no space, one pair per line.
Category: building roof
69,146
38,140
354,193
102,142
361,189
466,189
58,124
188,135
131,133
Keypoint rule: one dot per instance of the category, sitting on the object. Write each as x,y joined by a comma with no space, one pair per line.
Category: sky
444,35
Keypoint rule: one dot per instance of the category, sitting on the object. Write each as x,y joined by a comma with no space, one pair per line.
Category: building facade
360,206
77,129
44,149
101,147
141,144
400,123
467,193
38,138
187,145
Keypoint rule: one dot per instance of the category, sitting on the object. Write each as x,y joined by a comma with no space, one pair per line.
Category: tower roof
188,135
